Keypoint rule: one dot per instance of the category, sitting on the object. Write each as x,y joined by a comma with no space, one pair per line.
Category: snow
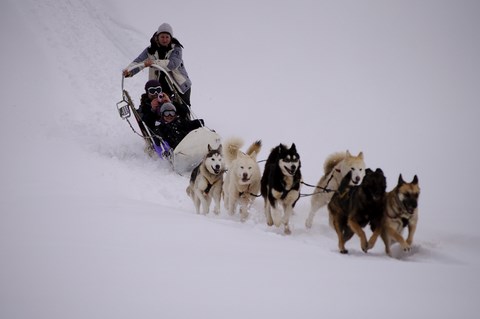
90,227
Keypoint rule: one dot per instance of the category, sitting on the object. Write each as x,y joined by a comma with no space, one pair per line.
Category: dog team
355,196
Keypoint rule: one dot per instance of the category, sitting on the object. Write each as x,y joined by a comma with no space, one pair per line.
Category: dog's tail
231,147
254,149
332,161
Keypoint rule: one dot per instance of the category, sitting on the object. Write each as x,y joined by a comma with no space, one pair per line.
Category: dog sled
189,152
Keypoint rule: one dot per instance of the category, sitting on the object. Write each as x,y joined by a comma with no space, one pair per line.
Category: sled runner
188,153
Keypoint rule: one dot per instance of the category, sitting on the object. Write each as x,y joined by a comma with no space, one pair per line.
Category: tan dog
242,180
401,211
336,166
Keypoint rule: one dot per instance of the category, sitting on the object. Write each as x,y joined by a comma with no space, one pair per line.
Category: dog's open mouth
291,170
245,179
410,209
216,170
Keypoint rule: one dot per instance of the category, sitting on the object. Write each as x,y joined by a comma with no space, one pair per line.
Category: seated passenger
149,101
174,128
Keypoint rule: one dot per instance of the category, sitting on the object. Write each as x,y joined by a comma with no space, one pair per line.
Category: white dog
206,181
242,180
336,166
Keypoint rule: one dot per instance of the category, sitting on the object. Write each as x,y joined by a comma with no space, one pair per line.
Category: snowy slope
90,227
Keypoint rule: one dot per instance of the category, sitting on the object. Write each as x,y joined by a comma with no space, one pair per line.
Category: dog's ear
360,155
415,180
220,149
209,148
400,180
368,171
347,153
293,148
379,171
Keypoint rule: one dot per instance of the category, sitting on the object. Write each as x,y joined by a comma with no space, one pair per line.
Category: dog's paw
287,230
344,251
364,245
308,223
243,217
371,243
407,248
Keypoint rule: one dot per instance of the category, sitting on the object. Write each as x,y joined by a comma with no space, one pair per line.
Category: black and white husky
206,181
280,185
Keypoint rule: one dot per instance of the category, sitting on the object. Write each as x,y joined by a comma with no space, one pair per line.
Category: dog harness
405,219
209,186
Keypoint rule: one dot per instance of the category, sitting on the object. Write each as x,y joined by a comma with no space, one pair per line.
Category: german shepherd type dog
280,185
206,181
336,166
242,180
353,207
401,211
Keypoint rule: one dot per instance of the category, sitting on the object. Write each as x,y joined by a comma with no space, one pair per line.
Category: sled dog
206,181
242,180
280,185
401,211
336,166
353,207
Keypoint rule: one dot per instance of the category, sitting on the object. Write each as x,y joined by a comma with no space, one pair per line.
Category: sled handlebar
170,80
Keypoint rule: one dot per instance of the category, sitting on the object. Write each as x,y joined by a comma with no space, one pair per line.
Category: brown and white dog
206,181
352,208
401,211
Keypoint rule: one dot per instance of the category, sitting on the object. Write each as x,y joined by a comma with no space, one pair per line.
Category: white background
90,227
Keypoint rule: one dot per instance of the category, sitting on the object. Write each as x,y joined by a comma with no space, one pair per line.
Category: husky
401,211
242,180
280,185
336,166
353,207
206,181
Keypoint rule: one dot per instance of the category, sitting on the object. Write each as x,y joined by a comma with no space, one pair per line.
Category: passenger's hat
152,84
167,106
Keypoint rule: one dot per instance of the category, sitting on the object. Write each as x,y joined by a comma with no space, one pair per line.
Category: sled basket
123,109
